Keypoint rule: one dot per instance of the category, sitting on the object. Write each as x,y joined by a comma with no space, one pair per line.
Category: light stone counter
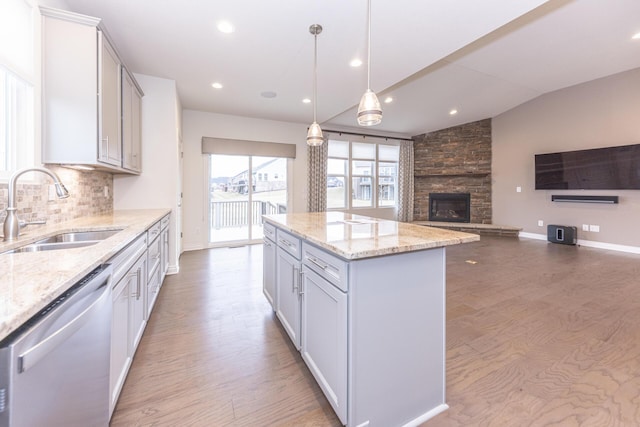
354,236
31,280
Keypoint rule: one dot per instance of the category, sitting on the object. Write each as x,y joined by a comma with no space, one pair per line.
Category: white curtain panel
405,182
317,183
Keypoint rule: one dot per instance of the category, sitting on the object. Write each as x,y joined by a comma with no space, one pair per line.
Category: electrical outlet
540,223
518,189
585,227
594,228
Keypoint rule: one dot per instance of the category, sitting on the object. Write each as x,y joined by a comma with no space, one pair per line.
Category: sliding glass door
241,190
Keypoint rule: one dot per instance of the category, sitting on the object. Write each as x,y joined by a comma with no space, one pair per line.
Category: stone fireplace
454,160
450,207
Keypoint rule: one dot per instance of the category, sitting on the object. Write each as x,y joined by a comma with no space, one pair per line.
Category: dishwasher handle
102,285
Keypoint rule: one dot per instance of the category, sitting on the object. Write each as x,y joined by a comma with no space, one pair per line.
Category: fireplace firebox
450,207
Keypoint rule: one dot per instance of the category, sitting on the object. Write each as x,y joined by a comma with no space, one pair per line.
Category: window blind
238,147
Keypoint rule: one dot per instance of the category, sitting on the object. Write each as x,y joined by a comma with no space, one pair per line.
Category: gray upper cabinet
90,116
109,147
131,115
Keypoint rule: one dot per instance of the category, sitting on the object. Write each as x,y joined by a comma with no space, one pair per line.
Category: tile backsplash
86,195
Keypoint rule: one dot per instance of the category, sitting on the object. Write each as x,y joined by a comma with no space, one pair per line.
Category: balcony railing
236,213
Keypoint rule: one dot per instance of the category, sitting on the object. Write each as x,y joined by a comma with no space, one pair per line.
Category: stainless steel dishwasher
54,370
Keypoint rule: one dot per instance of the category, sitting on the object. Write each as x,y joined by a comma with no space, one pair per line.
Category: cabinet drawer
164,222
269,231
154,232
326,265
289,243
123,261
153,256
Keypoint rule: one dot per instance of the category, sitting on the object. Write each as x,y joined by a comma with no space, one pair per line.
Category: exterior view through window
241,190
362,175
17,77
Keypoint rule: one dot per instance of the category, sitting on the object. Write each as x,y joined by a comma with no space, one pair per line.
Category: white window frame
19,106
375,178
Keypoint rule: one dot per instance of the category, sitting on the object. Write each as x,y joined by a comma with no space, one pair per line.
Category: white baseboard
427,415
588,243
532,236
192,248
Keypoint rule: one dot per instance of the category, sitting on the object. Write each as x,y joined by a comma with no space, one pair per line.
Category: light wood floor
537,335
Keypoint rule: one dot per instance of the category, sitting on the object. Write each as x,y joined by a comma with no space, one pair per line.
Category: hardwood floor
537,334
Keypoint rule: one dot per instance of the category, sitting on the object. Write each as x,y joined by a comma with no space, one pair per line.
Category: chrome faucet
11,224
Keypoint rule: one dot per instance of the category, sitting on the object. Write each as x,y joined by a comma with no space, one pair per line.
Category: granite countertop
355,236
31,280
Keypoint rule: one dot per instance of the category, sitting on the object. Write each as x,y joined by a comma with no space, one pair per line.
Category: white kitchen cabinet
110,144
137,303
164,236
324,337
81,93
120,354
154,260
288,294
269,265
128,320
131,129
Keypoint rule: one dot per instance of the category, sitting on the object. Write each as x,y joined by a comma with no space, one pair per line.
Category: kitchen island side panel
397,338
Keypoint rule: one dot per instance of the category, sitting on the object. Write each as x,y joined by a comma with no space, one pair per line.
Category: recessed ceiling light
355,62
388,99
225,27
216,85
268,94
306,101
453,112
636,36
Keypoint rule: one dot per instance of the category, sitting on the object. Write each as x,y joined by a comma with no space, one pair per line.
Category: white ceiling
480,57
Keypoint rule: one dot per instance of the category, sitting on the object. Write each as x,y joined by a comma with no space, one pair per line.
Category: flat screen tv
610,168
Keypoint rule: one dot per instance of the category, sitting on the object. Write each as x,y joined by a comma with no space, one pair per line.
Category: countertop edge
460,238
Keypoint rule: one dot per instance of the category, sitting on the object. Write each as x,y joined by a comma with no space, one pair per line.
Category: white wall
158,186
197,124
600,113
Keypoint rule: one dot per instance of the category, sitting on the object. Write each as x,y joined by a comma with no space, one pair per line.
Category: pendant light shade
369,110
314,135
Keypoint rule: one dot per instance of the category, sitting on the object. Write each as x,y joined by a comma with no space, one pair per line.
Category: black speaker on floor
564,234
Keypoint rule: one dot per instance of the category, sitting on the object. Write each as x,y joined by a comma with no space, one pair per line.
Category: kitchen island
363,299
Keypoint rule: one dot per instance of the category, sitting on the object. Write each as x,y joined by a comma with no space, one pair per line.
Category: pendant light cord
315,74
369,45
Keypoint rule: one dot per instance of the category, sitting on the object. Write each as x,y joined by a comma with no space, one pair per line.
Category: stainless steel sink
69,240
79,236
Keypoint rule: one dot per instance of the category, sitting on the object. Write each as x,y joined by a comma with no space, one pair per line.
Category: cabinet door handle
295,279
301,278
318,263
284,242
267,244
139,274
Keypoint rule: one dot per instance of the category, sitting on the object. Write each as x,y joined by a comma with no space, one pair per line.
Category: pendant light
369,110
314,136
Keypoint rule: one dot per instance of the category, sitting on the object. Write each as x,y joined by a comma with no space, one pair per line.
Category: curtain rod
367,135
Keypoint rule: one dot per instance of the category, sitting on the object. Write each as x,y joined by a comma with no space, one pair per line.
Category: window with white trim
362,175
17,77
